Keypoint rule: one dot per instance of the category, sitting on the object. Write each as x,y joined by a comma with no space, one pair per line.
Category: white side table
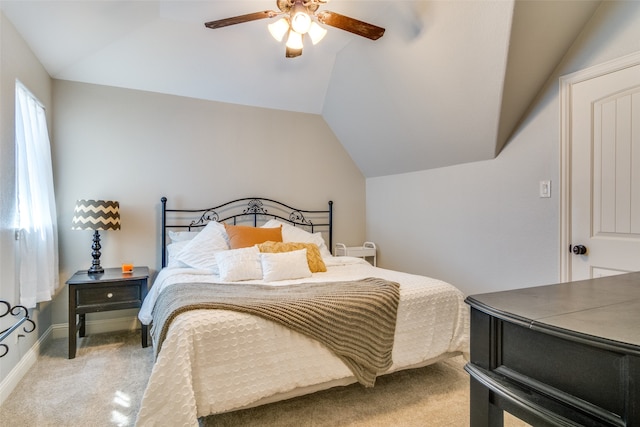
368,249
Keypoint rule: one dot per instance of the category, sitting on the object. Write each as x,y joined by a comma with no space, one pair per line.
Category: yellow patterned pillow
314,259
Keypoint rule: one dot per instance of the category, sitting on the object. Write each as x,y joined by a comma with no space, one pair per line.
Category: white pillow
298,235
239,264
284,265
182,236
200,251
173,249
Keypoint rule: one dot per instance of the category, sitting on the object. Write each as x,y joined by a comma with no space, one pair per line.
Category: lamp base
96,268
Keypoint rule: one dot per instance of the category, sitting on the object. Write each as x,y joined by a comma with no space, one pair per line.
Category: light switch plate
545,189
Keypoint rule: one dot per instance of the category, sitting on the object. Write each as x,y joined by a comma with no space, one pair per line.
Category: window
36,213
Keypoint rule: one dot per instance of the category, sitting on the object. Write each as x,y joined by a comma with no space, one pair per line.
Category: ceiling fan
299,18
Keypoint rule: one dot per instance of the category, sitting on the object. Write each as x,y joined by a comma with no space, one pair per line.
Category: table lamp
96,215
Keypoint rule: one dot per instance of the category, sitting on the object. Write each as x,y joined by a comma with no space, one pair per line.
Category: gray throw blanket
356,320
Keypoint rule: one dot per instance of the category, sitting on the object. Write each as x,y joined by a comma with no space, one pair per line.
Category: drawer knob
109,295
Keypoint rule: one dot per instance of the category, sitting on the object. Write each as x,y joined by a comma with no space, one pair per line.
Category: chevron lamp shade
96,215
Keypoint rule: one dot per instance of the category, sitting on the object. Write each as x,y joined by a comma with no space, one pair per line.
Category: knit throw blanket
356,320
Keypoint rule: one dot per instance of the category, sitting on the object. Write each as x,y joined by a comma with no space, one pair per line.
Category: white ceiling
447,84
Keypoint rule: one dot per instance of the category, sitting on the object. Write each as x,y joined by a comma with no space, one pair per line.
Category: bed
229,337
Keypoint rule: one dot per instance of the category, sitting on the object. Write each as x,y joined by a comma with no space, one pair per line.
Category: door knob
579,249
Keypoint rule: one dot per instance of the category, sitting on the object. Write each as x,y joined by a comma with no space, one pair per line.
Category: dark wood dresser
558,355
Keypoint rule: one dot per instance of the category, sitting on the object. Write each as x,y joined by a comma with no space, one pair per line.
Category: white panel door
605,174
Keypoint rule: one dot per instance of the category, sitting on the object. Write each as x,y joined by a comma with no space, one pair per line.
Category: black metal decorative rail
254,207
248,209
15,311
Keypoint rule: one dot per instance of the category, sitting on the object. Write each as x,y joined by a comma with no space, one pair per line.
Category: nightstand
111,290
368,249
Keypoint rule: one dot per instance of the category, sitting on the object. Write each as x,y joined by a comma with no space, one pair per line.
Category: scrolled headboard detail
252,211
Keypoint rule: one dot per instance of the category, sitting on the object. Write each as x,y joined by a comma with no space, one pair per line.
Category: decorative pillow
182,236
242,236
173,249
200,251
239,264
297,234
314,259
284,265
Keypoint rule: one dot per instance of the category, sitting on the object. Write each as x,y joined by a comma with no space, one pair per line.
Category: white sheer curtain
37,222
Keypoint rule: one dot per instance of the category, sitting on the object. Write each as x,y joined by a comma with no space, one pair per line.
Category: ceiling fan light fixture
279,28
316,32
300,19
294,41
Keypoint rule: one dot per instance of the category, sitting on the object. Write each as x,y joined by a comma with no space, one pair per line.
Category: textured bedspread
356,320
214,361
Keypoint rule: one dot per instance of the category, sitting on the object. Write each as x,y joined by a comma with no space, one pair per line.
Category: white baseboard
60,330
21,369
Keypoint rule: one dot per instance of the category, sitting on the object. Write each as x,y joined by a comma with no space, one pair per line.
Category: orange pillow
314,259
242,236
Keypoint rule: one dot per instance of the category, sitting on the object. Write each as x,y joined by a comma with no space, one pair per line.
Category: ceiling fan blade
292,53
352,25
240,19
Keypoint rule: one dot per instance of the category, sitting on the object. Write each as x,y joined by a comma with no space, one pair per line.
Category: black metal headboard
246,211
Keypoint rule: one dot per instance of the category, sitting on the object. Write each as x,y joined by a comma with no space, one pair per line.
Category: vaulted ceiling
448,82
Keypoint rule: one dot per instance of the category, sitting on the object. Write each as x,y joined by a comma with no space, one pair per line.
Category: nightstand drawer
108,295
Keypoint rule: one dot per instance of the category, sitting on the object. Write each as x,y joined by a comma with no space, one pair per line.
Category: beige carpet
104,384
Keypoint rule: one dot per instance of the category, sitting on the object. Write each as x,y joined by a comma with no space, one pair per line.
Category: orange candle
127,268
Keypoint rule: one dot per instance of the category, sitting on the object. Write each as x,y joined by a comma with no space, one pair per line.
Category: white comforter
214,361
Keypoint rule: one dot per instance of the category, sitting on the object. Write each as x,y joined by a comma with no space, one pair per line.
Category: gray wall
135,147
482,226
16,62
